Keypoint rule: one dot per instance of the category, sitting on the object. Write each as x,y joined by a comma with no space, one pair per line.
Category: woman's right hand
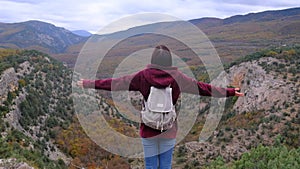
80,83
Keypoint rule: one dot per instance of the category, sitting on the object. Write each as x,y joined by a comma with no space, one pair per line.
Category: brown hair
161,56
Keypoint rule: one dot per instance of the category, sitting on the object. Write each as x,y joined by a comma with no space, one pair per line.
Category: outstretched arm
193,86
130,82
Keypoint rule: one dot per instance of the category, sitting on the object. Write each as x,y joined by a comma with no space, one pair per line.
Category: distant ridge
207,21
263,16
82,33
259,16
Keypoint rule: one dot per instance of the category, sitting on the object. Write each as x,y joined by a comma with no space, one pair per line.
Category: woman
159,146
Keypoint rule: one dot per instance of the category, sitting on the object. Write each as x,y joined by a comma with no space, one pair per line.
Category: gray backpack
158,111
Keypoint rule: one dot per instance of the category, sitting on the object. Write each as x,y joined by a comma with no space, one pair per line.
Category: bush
262,157
218,163
181,151
181,160
269,157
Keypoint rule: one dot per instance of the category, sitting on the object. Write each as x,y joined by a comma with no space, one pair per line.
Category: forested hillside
38,124
37,120
35,103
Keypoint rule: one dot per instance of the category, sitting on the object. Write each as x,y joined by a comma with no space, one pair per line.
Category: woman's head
161,56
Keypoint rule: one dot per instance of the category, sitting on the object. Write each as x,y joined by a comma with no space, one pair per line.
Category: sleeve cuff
230,92
88,83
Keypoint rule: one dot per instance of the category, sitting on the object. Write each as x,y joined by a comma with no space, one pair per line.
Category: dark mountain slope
37,35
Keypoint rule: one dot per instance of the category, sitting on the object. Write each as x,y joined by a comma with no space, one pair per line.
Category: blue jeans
158,152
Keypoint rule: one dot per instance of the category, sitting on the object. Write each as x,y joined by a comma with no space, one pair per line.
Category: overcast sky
92,15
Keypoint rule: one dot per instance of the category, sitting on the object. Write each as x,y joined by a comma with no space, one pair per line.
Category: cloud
272,3
92,15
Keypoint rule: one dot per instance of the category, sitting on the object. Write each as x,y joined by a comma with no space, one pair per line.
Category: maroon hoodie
159,77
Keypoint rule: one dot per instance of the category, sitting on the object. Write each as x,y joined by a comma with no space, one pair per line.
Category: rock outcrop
262,89
12,163
8,83
267,91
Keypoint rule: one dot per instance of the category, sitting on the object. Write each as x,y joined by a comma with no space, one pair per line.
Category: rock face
8,83
9,79
262,89
269,94
24,69
13,164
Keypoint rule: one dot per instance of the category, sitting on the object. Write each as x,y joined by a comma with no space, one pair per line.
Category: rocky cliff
8,83
269,110
31,107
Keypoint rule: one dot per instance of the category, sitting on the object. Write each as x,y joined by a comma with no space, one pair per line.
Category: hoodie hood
160,76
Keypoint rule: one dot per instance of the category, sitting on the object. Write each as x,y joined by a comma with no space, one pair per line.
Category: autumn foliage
85,152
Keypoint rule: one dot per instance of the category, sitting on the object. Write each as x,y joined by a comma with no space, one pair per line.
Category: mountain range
232,37
37,35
